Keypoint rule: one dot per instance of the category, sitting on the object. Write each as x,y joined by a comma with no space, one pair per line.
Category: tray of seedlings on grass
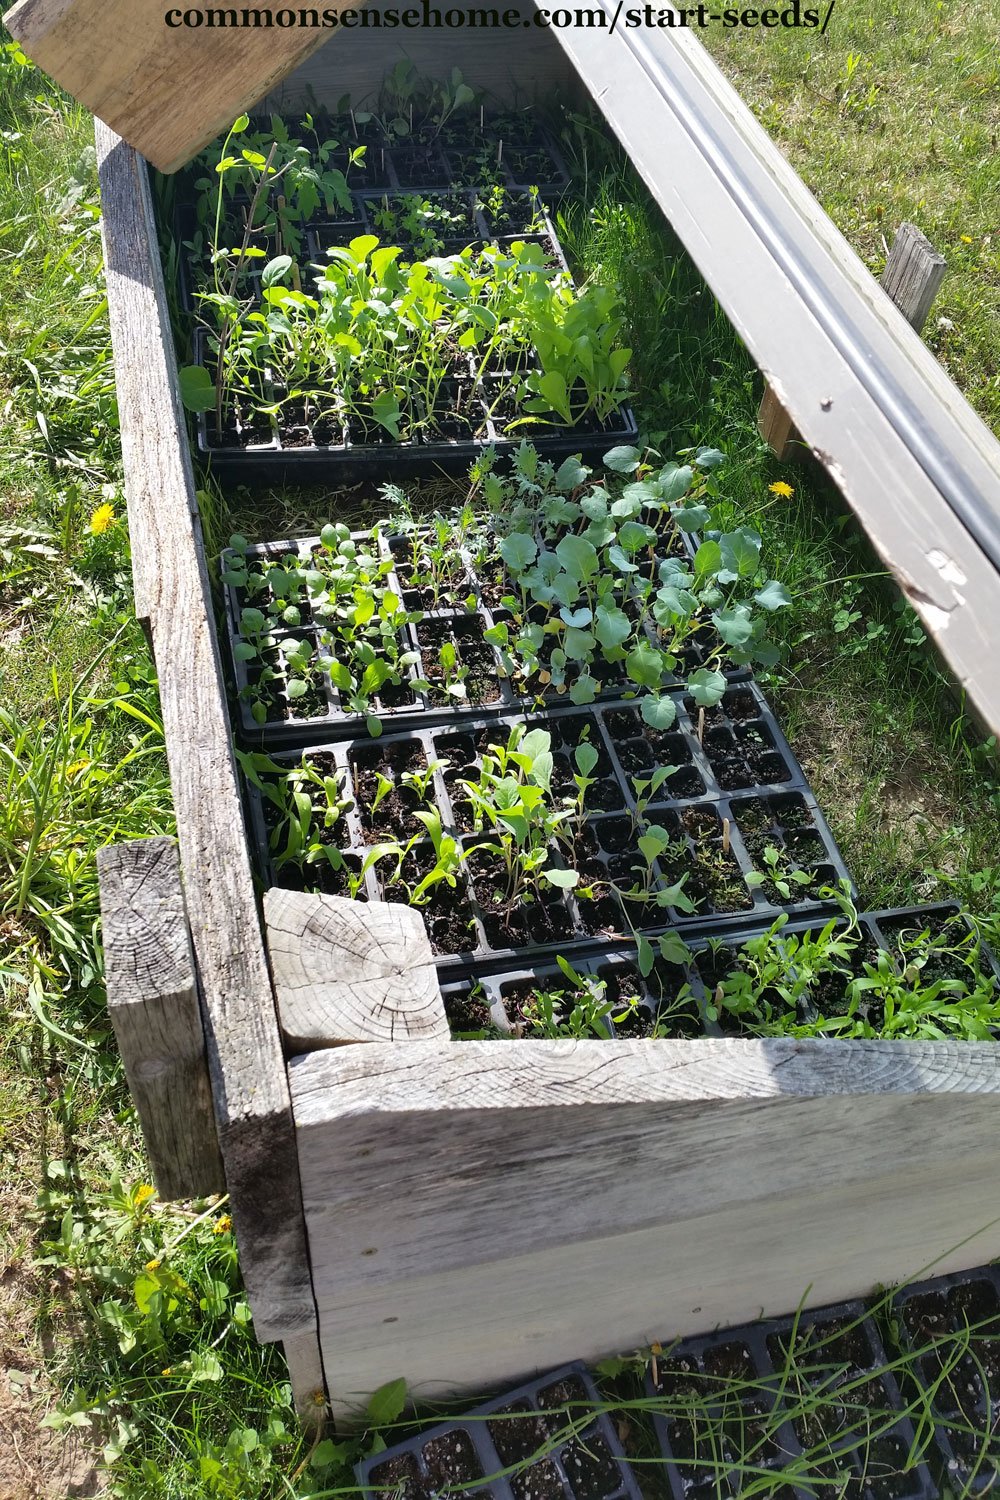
442,222
238,207
782,1406
319,633
284,179
546,1440
515,838
918,974
618,580
950,1327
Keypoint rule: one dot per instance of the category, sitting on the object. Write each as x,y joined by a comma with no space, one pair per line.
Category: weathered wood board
245,1057
480,1209
153,1004
166,89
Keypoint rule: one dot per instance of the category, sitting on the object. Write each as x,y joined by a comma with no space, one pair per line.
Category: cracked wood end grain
346,971
153,1004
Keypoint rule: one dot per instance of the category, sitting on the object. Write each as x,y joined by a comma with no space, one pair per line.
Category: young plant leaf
659,712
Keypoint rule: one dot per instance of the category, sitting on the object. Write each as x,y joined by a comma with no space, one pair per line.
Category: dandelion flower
223,1225
143,1193
102,518
782,489
153,1265
966,239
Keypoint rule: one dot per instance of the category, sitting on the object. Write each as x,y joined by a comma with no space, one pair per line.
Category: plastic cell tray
490,1452
738,743
932,1318
466,927
833,1413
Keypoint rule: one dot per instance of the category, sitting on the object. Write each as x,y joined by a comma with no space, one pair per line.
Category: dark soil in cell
468,1014
601,914
729,1362
320,875
507,924
452,1459
446,911
590,1468
473,667
561,1393
517,1437
399,1478
394,816
540,1482
419,165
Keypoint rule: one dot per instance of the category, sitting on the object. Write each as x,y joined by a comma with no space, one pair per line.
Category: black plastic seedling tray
347,462
673,1000
491,1452
469,931
736,744
833,1415
930,1316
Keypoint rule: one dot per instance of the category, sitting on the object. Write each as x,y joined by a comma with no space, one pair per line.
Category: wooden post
153,1003
347,972
776,426
913,273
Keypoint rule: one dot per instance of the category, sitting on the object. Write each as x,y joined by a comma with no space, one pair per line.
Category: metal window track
914,461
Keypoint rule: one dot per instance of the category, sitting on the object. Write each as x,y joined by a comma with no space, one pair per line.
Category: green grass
910,788
125,1317
891,117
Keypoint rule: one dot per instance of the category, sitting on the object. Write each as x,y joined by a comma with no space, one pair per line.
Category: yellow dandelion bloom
143,1193
223,1225
76,768
102,518
153,1265
966,239
781,488
168,1371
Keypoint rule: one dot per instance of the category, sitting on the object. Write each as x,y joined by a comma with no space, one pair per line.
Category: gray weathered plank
345,971
478,1209
913,273
246,1063
153,1003
916,464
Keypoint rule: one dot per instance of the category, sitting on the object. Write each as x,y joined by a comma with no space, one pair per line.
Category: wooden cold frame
474,1211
